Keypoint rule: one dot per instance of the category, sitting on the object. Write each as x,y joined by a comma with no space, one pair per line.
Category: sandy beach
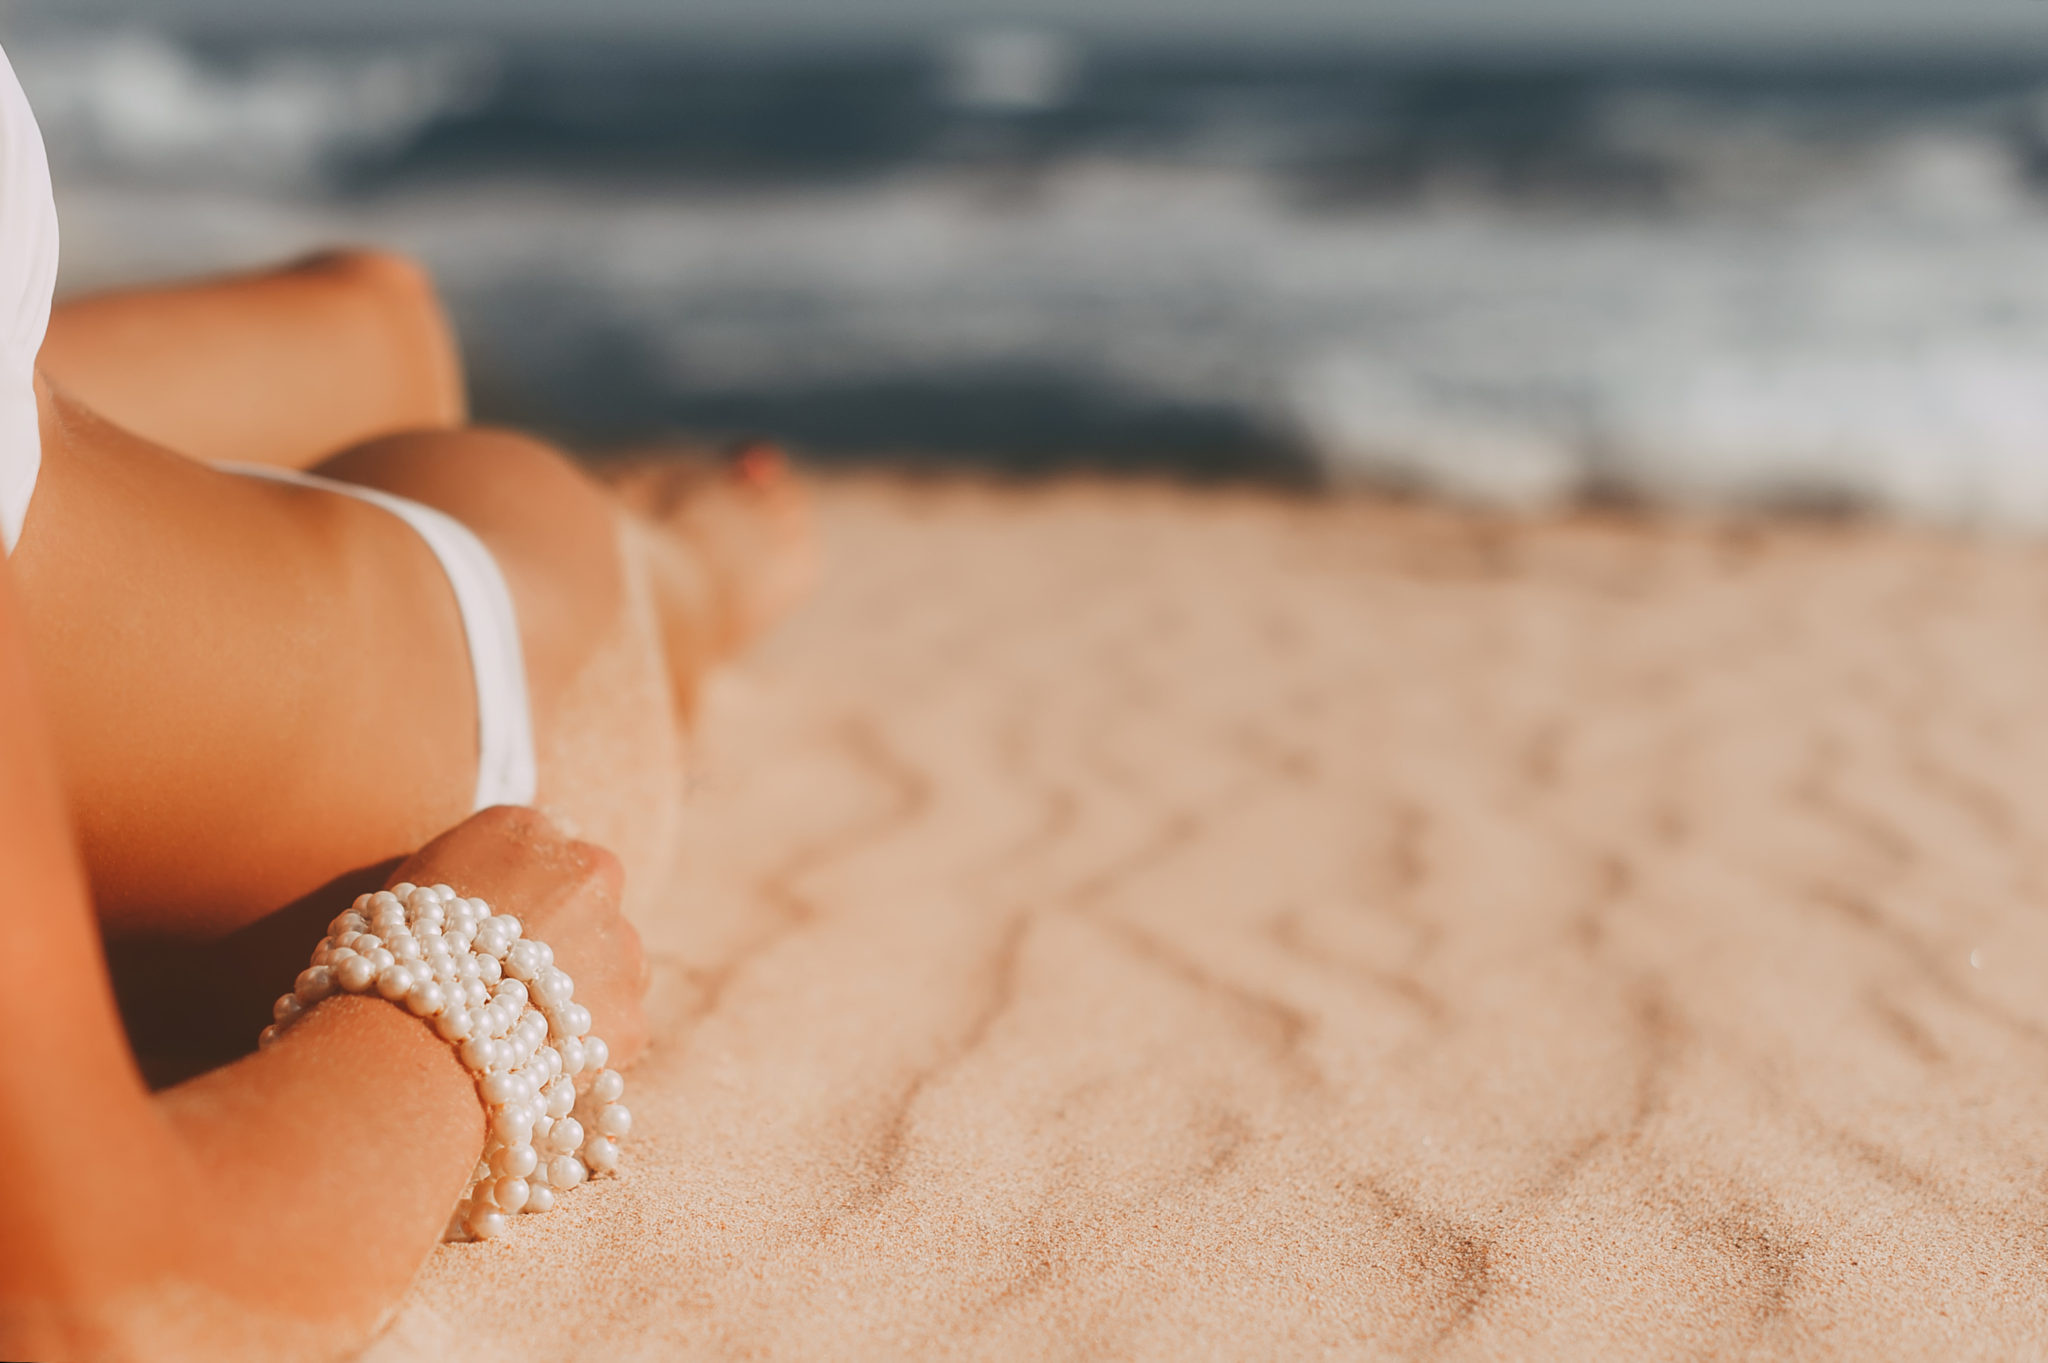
1123,922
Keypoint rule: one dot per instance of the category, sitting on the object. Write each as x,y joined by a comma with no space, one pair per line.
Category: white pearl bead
452,1025
552,987
561,1098
512,1193
286,1009
443,892
515,1161
366,942
476,1053
314,984
539,1198
426,999
542,1124
381,959
348,920
394,982
601,1155
356,974
422,898
488,970
485,1224
572,1055
566,1137
512,990
266,1038
575,1021
565,1172
522,961
513,1125
596,1054
615,1121
403,945
499,1089
608,1086
398,891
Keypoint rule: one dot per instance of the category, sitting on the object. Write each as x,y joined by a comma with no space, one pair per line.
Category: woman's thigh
255,688
552,530
280,366
598,647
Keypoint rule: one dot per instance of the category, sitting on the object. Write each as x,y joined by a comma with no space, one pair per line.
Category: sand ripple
1149,924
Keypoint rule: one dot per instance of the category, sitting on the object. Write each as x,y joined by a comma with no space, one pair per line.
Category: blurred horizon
1499,29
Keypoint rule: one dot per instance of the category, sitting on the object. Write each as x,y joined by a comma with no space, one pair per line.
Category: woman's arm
274,1208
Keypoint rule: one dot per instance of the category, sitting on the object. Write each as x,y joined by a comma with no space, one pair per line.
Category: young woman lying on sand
221,692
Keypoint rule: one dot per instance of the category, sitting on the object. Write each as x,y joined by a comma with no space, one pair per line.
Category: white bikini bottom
505,770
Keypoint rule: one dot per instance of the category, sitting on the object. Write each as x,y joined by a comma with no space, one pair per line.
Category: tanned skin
205,1221
221,700
226,658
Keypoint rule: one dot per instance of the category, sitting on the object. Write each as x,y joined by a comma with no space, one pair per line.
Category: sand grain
1128,923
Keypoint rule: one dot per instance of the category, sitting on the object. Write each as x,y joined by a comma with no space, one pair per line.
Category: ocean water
1515,284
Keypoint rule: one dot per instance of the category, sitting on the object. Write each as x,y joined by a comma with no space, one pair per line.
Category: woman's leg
280,366
231,663
226,656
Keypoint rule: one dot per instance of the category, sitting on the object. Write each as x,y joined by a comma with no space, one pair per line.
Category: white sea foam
135,104
1809,315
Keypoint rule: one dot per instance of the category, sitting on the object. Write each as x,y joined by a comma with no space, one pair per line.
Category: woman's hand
566,893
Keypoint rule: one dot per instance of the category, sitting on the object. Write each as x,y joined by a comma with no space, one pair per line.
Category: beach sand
1137,923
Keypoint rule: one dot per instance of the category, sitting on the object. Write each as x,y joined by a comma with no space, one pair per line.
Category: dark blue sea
1513,282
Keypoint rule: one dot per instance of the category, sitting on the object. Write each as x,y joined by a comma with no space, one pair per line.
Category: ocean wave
138,105
1673,289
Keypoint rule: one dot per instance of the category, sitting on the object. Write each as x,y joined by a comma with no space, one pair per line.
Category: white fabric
506,772
28,275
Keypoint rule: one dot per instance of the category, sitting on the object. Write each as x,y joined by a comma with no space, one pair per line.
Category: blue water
1515,284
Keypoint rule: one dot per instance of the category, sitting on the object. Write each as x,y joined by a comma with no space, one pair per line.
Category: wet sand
1122,922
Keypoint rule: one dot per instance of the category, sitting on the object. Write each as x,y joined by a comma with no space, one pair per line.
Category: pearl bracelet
501,1001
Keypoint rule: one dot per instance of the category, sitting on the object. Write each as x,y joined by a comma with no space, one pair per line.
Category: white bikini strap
506,771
